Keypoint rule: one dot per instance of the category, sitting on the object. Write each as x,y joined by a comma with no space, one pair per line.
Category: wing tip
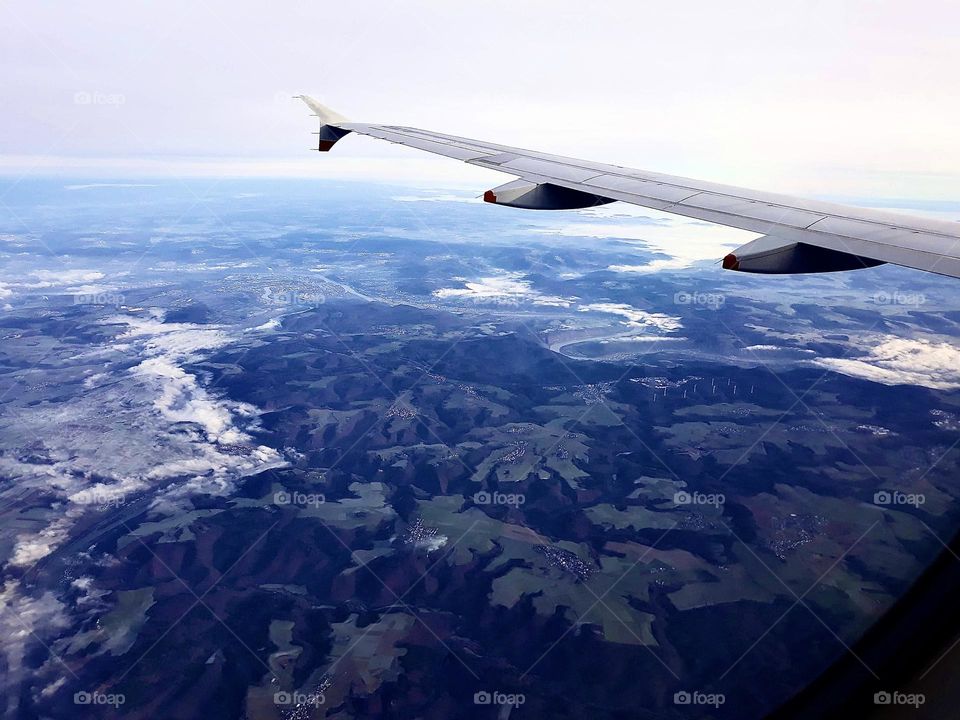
326,115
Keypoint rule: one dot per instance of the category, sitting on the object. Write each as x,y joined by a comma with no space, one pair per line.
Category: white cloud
775,348
24,619
431,543
683,241
180,341
272,324
652,266
58,278
502,290
181,399
901,361
62,277
444,197
639,339
94,186
635,317
30,548
92,290
131,429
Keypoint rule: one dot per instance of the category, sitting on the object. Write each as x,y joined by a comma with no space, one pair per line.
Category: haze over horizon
828,99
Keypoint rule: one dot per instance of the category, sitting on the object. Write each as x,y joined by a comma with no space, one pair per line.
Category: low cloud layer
153,426
900,361
502,290
683,242
636,318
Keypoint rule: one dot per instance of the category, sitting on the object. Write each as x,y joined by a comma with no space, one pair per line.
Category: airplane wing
798,235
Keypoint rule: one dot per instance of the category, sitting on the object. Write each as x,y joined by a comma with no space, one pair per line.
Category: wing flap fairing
770,255
542,196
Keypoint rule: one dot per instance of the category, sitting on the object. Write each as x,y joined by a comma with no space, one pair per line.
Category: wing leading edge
798,235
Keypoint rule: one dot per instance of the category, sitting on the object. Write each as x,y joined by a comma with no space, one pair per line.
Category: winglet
330,122
326,115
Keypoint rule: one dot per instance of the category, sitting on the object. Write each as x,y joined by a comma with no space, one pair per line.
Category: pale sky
829,98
